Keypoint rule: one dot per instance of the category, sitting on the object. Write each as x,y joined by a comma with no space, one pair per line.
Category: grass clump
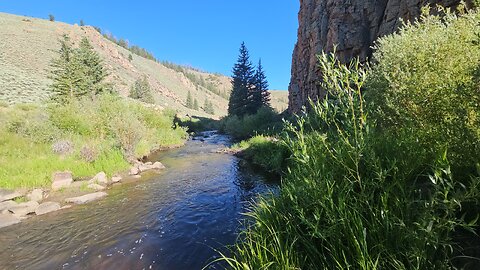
359,192
266,152
83,136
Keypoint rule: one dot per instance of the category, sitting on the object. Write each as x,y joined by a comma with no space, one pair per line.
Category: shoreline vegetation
384,172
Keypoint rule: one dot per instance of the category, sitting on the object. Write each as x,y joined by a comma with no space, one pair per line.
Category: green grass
104,135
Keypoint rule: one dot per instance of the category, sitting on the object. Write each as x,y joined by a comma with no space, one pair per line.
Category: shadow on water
173,220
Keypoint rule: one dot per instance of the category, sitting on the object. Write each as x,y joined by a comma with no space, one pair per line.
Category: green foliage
142,91
130,57
348,201
266,152
77,72
195,104
425,86
250,86
105,134
51,17
142,52
82,23
266,121
208,107
189,103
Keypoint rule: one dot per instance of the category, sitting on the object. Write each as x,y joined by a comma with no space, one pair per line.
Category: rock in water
100,178
158,166
47,207
36,195
6,195
134,170
23,209
8,220
96,187
116,179
86,198
61,180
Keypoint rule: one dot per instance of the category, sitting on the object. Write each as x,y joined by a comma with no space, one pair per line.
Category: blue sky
204,34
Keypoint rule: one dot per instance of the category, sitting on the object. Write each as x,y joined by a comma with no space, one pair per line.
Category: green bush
424,86
346,204
265,121
105,134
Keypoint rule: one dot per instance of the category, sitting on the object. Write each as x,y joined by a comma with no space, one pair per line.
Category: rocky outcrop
352,26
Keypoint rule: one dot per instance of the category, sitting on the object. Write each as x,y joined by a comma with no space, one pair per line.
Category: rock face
8,219
6,195
23,209
352,26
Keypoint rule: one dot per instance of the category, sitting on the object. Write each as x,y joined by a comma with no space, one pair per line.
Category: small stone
8,220
158,166
6,205
47,207
61,180
96,187
86,198
134,170
148,163
144,167
23,209
36,195
66,207
100,178
116,179
137,176
6,195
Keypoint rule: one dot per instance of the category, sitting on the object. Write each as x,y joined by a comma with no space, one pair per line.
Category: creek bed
172,220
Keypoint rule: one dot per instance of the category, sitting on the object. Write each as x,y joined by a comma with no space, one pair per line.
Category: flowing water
172,220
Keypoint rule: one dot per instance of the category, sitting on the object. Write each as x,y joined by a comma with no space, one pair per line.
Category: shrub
142,91
345,204
265,121
63,147
424,86
88,154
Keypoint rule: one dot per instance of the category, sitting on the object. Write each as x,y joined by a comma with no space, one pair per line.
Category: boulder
8,220
86,198
137,176
36,195
6,205
116,179
100,178
144,167
47,207
61,180
96,186
134,170
23,209
6,195
158,166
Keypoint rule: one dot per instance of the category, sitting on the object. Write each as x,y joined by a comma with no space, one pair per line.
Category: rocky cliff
352,26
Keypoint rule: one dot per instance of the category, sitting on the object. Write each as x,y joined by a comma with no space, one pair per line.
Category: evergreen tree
67,75
77,72
189,100
51,17
82,23
208,107
95,72
130,58
195,105
142,91
243,75
261,85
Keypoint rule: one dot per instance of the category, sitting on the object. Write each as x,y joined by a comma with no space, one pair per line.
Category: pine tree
77,72
189,100
82,23
95,72
208,107
51,17
195,105
243,75
67,75
261,86
142,91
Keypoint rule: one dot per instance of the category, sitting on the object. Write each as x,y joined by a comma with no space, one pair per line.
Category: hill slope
27,46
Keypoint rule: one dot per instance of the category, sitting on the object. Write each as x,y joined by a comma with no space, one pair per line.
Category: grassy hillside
279,100
27,46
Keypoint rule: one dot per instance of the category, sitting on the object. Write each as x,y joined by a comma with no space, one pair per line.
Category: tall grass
347,202
83,136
